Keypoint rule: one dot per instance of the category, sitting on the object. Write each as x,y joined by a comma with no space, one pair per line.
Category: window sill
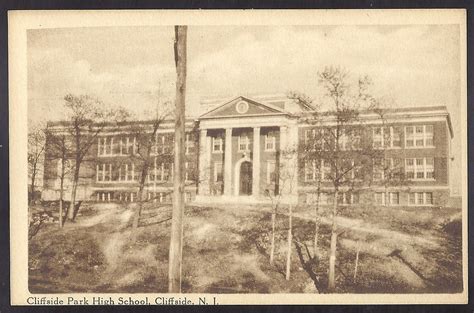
420,147
116,181
387,148
112,155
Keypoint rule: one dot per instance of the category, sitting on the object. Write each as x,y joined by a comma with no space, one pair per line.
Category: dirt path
380,242
226,250
352,224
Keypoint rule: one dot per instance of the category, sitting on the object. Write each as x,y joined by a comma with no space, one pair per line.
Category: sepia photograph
225,158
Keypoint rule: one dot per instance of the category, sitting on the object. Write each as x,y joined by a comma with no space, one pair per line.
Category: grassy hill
226,251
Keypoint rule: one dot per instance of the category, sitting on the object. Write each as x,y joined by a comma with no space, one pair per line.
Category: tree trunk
290,239
72,206
176,242
332,253
356,265
61,196
316,223
138,210
272,244
33,178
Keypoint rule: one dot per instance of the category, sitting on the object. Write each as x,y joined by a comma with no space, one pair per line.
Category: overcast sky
413,65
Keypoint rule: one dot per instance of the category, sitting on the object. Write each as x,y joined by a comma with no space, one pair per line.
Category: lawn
226,250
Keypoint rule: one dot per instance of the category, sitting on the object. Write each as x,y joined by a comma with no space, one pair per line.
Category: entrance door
246,178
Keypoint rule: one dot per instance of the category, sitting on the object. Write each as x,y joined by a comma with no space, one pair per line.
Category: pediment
242,106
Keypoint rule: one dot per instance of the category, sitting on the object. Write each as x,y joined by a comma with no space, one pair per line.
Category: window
395,137
386,137
103,172
160,144
189,145
346,198
344,140
153,172
187,197
167,171
313,139
186,174
218,174
105,145
270,142
127,145
115,143
217,144
419,136
310,171
355,139
309,136
108,172
379,198
326,170
428,198
419,168
357,172
378,169
348,169
161,172
104,196
314,168
421,198
429,136
389,198
271,172
127,172
396,169
168,143
377,137
244,143
324,198
394,198
100,172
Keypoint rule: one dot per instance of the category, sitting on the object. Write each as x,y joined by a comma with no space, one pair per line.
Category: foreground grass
226,251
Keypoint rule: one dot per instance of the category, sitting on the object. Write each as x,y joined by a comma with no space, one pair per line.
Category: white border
20,21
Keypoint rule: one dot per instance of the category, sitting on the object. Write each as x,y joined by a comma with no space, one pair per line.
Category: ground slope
226,251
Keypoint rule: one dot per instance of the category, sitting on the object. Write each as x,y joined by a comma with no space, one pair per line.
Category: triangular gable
242,106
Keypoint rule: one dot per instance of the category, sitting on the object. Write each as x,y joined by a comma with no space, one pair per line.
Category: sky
134,66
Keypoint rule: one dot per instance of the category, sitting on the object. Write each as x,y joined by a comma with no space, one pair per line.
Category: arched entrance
245,183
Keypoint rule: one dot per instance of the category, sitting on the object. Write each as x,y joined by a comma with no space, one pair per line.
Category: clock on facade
242,107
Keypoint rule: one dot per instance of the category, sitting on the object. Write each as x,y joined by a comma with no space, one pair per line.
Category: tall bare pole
176,243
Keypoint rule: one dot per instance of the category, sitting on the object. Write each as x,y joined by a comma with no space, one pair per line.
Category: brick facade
222,159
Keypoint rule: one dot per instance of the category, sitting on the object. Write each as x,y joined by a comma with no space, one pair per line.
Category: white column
256,162
228,162
204,163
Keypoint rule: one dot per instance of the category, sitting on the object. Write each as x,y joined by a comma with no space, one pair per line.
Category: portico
240,146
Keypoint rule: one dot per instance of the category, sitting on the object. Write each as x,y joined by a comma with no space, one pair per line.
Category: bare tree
387,171
275,197
340,148
176,242
147,151
36,147
59,150
86,120
287,175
